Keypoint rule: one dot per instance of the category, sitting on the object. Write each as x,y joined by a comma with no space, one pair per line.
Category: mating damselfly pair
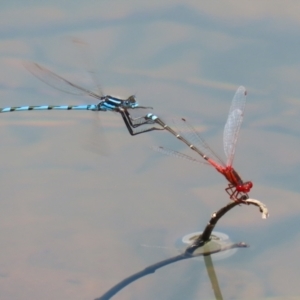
237,188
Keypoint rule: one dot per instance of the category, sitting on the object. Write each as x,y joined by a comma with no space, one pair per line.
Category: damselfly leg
133,123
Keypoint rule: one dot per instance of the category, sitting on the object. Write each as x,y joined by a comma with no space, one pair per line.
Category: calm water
73,222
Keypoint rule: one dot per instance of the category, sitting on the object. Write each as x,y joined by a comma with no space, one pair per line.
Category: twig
205,236
200,246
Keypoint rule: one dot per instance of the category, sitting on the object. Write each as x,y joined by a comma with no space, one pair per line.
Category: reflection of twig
213,277
151,269
199,247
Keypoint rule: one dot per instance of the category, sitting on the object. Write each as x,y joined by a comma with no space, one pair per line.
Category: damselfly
106,102
237,188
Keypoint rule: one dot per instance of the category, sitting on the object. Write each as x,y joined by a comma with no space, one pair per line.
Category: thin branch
205,236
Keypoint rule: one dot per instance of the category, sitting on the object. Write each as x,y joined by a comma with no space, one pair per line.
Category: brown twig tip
262,207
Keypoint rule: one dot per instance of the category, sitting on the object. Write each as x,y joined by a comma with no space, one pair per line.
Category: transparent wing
57,81
233,124
96,140
88,59
239,100
176,154
190,133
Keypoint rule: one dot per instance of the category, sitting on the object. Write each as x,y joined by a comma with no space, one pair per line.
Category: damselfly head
131,99
247,186
130,102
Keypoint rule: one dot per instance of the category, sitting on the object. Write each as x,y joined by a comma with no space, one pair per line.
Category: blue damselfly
106,102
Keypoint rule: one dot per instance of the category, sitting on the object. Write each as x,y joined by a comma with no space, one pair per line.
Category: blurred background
74,222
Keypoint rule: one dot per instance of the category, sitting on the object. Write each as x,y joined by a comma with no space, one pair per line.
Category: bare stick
200,244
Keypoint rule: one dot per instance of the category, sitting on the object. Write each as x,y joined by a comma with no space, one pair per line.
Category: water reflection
213,277
60,205
203,244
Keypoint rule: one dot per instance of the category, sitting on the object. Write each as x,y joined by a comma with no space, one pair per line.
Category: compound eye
131,99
